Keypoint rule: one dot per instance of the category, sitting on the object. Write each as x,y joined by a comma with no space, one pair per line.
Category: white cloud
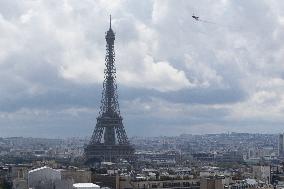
155,75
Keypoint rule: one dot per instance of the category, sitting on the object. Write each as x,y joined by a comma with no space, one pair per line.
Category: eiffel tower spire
109,103
109,140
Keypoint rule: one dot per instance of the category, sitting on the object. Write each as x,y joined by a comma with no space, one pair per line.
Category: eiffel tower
109,141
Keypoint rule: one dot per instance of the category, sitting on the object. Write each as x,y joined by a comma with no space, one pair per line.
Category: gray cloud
174,73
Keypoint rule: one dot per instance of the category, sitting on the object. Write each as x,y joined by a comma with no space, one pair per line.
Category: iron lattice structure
109,141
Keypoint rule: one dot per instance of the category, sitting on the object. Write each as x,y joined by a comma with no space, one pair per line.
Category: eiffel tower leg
121,135
97,135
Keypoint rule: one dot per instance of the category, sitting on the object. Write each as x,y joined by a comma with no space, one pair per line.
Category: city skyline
223,73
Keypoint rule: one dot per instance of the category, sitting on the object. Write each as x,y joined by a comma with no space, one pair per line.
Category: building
4,175
202,156
109,141
85,186
43,178
142,182
174,184
213,182
281,145
47,178
77,176
230,157
262,173
20,184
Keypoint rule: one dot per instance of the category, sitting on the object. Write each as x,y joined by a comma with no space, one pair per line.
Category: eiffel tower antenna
110,21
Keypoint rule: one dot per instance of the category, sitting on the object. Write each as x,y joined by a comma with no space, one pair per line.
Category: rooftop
85,185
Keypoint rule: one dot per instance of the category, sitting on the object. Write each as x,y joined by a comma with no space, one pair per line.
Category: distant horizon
88,137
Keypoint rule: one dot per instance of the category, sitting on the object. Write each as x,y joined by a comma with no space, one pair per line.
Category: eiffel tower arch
109,141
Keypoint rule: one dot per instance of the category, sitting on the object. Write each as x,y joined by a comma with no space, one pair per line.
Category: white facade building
43,177
85,186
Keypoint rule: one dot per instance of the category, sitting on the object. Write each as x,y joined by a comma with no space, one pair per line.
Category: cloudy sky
175,75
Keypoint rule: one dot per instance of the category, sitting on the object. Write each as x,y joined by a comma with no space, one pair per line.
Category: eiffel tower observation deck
109,141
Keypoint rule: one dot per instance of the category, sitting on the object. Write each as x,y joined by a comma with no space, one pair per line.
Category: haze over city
175,74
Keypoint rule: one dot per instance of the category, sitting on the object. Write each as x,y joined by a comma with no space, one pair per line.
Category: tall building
213,182
262,173
109,141
281,145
